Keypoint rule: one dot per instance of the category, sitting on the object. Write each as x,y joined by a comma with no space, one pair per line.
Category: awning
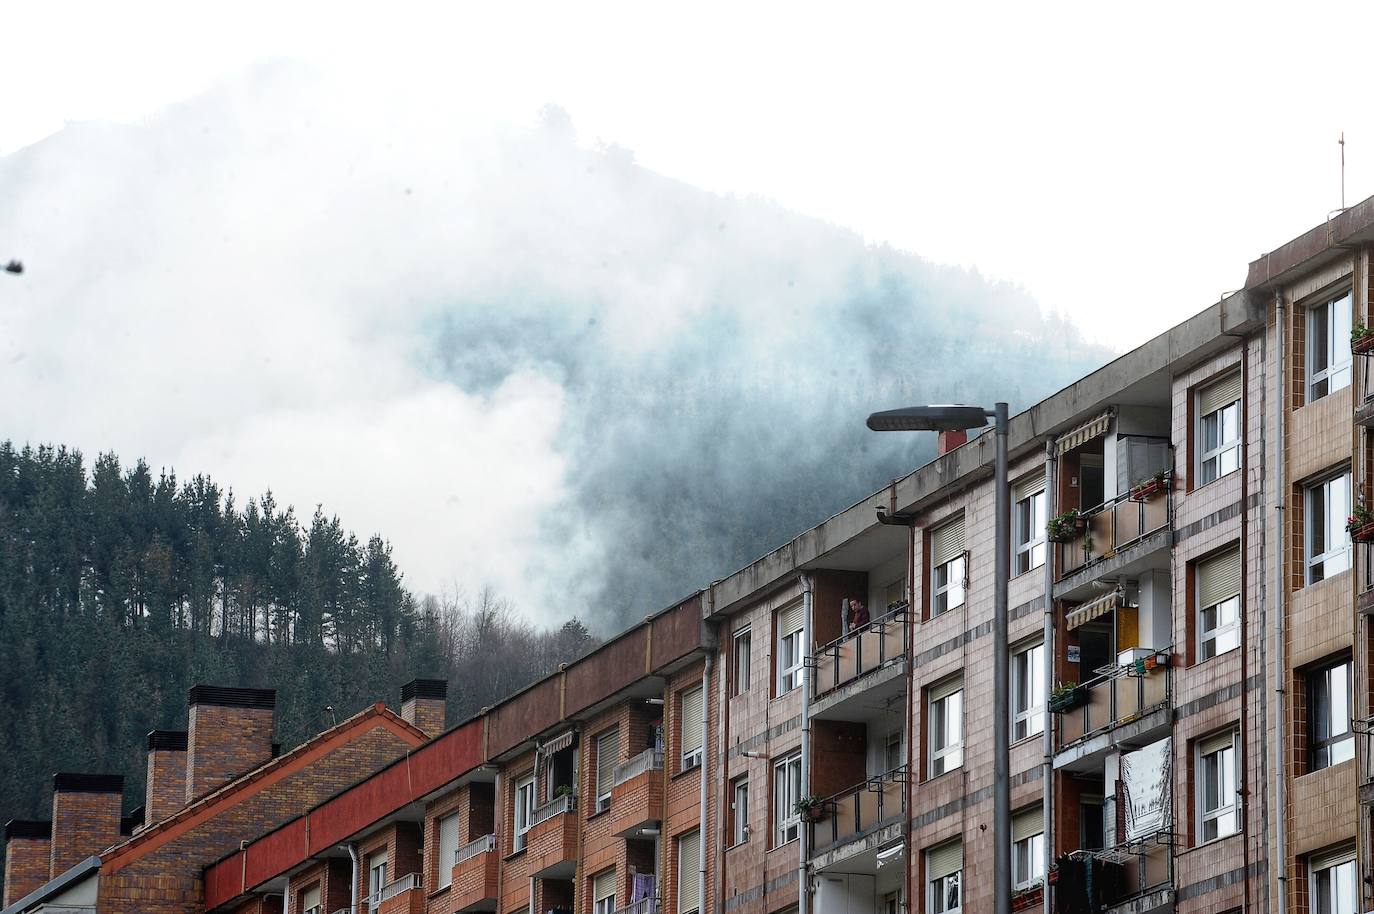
558,743
1093,609
1083,434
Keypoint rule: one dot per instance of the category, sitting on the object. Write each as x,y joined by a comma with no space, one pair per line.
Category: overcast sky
1122,164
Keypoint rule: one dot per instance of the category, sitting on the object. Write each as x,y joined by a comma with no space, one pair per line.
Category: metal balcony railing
315,909
643,906
555,807
1115,698
474,849
858,810
648,760
392,889
1147,864
861,651
1114,525
348,910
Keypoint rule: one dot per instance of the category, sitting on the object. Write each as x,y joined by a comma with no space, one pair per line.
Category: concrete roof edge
55,885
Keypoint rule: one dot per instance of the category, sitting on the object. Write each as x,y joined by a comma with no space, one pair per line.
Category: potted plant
811,808
1361,339
1360,525
1067,526
562,790
1144,490
1066,696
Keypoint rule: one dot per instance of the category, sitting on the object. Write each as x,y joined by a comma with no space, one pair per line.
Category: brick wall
166,781
28,858
85,817
422,704
229,733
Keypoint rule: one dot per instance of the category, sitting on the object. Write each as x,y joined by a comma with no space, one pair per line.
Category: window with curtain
944,871
1027,848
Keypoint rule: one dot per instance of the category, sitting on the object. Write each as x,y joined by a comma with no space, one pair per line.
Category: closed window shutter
604,885
947,541
1219,394
946,688
688,857
1027,823
943,860
1218,578
691,720
448,848
1216,742
1031,485
607,757
310,898
1330,858
790,619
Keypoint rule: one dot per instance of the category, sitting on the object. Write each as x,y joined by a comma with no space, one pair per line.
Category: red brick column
85,817
28,857
166,775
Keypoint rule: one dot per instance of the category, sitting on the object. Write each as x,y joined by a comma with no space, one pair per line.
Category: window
946,715
376,874
1027,848
310,900
742,645
739,810
1328,347
947,567
1328,710
448,849
1218,431
690,720
524,811
894,593
1028,521
892,751
787,791
1328,543
688,872
1218,602
790,655
603,893
607,757
1028,692
944,866
1217,803
1332,883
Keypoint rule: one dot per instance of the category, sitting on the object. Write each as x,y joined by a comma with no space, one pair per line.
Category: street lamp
946,418
14,266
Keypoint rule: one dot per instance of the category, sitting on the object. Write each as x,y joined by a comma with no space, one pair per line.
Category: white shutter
943,860
947,541
1027,823
1218,578
946,688
607,757
691,721
1219,394
310,898
1216,742
1324,859
790,619
448,848
1031,485
688,857
603,886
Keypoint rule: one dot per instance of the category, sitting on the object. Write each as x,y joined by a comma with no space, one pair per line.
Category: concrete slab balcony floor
857,824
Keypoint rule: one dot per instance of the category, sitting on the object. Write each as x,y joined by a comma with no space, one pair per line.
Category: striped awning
1083,434
1093,609
557,743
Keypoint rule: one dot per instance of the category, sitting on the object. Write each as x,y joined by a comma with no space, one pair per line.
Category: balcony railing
1115,698
643,906
392,889
474,849
648,760
861,651
1147,866
851,813
555,807
1114,525
314,909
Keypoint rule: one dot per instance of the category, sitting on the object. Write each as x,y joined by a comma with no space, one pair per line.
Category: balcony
1121,537
855,824
644,906
637,795
551,843
859,671
1125,708
403,896
1143,882
476,876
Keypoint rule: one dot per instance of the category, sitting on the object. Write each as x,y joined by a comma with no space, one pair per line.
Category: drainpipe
1047,762
709,641
353,885
1280,610
803,896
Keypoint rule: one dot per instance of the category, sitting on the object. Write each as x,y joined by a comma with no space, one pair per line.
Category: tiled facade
774,747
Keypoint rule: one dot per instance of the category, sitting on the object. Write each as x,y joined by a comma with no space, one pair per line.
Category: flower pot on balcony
1362,344
1062,700
1025,899
1066,527
1363,533
1146,490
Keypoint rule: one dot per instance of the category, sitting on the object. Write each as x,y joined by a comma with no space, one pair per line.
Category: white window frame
690,758
1339,746
1029,545
946,754
524,811
954,588
603,904
937,888
742,645
739,810
1327,899
1224,760
312,894
1209,638
447,860
791,657
787,792
609,739
1032,849
1335,557
1211,460
1028,674
1336,342
376,874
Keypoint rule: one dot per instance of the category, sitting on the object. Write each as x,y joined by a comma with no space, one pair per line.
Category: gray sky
1122,168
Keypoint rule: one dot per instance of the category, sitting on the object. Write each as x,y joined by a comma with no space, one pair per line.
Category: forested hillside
121,588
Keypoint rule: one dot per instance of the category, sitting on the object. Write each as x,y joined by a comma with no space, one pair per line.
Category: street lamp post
951,418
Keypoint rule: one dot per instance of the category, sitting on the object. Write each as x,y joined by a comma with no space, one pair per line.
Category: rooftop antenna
1342,144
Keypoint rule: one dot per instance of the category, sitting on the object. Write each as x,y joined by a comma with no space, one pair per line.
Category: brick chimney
28,857
85,817
949,440
422,704
230,732
166,774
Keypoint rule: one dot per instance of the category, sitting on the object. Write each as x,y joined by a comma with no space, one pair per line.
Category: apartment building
1189,689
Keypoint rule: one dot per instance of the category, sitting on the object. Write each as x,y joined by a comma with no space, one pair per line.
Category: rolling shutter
947,542
448,848
1325,859
790,619
943,860
1218,578
1027,823
688,857
691,721
1219,394
946,688
607,756
603,886
310,898
1216,742
1031,485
